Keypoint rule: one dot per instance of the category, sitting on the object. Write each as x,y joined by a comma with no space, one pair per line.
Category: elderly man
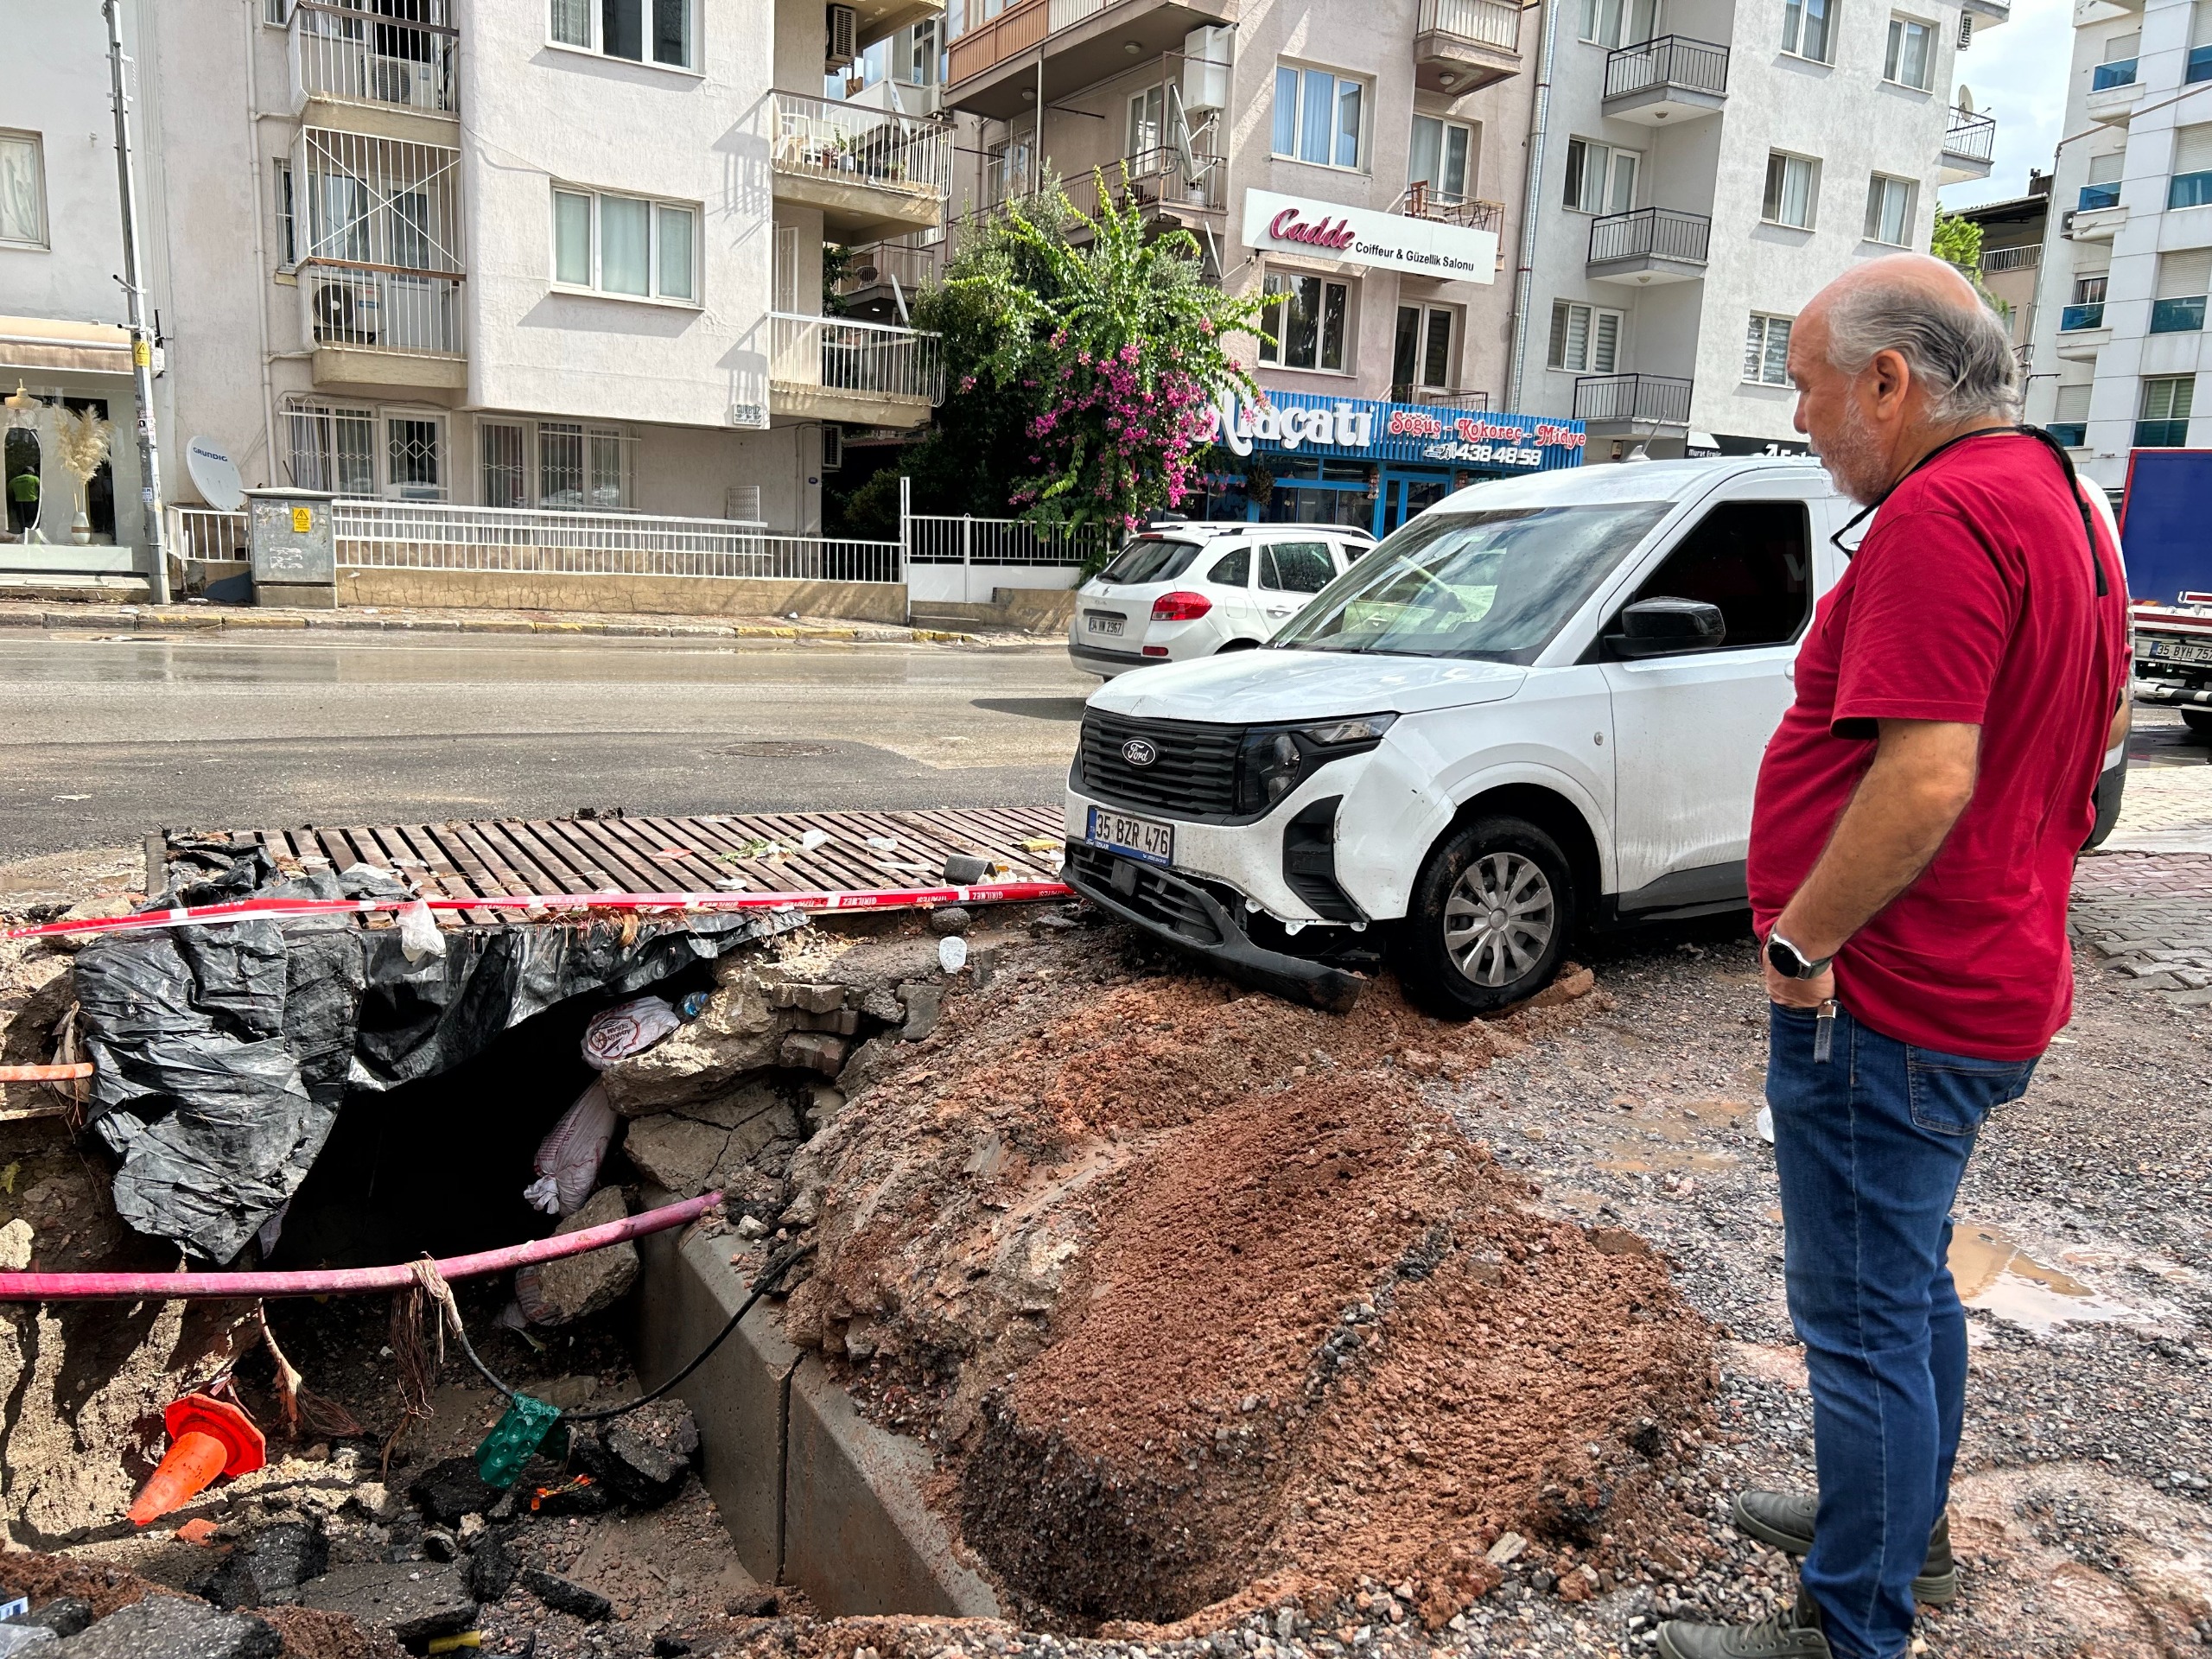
1912,847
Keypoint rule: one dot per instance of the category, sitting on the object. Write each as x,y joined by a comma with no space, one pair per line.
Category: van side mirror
1668,628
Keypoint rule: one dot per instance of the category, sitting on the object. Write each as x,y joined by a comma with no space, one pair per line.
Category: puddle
1673,1137
1994,1273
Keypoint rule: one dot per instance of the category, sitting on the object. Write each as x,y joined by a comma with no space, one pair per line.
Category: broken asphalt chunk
565,1596
170,1627
414,1601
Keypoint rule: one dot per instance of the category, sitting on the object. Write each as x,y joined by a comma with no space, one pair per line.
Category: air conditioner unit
403,80
347,313
844,37
833,448
1206,67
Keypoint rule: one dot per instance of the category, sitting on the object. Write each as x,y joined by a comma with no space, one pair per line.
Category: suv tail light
1180,608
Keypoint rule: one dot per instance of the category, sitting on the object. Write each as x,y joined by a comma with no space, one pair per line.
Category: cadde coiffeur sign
1360,236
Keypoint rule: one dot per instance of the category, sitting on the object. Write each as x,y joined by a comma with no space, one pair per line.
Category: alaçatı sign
1368,430
1360,236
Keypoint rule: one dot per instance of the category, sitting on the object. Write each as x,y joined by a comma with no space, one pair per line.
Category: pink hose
336,1281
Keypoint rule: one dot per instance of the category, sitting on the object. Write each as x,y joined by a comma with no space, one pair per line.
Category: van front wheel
1492,912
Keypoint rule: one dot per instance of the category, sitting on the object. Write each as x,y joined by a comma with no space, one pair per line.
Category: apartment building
2012,232
2128,257
1706,166
545,255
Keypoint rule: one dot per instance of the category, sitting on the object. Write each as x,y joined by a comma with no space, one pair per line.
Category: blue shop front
1303,458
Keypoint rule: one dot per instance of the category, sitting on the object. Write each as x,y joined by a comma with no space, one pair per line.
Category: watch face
1785,958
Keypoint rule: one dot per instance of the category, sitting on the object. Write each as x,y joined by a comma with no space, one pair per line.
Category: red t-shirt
1970,600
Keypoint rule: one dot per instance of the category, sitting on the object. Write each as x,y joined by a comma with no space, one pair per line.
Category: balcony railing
1444,208
870,359
1969,137
2106,76
380,309
2076,318
1647,399
2161,435
1670,61
1486,23
985,45
2189,189
2199,66
1650,232
2071,435
908,263
351,53
2094,196
2184,316
1445,397
2025,257
852,143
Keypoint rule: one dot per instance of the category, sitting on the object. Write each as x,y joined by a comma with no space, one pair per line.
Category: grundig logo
1138,752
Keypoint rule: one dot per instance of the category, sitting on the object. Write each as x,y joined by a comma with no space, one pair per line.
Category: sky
2017,73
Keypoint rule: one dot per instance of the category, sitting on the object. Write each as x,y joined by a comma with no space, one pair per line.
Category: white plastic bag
419,936
627,1028
568,1159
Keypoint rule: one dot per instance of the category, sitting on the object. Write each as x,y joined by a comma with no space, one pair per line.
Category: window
1808,27
643,249
500,449
1319,116
1910,60
1296,567
2090,289
1233,569
2198,66
2070,423
582,468
1753,560
287,236
1585,338
332,448
1766,350
1145,110
2191,184
1616,23
1600,178
22,190
1302,326
1442,151
657,31
2162,420
412,446
1888,210
1422,355
1790,186
2177,306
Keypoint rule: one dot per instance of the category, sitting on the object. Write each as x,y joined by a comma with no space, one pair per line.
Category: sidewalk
2143,901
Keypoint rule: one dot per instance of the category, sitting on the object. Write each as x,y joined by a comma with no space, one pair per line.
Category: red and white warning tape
241,910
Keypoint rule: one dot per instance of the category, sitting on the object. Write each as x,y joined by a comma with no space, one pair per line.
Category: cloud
2017,72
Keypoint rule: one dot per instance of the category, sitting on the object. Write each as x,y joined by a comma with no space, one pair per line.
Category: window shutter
2121,47
1557,356
2200,23
1754,347
1777,352
1604,350
2184,276
1578,338
2074,403
2105,169
2193,149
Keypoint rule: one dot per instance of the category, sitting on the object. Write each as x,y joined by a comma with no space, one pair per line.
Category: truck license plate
1103,621
2181,650
1139,838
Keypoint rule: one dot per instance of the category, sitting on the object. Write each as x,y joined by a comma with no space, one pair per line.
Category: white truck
1539,706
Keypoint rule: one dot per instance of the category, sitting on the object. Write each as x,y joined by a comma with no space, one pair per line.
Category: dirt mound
1206,1305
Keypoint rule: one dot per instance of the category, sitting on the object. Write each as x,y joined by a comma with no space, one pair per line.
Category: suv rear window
1148,559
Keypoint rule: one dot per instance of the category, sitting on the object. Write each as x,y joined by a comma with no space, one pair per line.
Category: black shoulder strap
2074,487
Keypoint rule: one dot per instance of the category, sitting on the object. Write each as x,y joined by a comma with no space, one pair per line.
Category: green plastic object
514,1440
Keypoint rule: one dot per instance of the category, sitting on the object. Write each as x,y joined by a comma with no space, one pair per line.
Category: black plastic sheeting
223,1053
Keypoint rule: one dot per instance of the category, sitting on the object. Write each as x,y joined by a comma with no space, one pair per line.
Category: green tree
1957,241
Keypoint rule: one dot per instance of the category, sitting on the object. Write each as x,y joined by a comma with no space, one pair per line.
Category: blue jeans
1871,1139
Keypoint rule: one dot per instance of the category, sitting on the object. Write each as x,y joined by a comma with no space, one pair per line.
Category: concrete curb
117,619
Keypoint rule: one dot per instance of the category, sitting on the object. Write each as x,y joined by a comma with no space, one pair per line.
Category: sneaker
1793,1633
1785,1519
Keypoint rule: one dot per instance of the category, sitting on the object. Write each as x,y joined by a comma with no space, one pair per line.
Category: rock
807,999
882,1003
826,1102
64,1615
559,1293
869,1061
983,963
414,1600
748,1140
737,1108
268,1569
70,943
171,1627
447,1491
564,1597
873,965
924,1006
843,1023
739,1032
492,1568
1617,1241
15,1638
814,1051
15,1246
1573,981
953,918
677,1153
1506,1549
643,1457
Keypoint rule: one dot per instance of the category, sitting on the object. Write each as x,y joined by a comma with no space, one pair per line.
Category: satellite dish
216,475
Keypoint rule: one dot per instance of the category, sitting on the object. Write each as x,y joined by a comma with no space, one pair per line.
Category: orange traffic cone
207,1438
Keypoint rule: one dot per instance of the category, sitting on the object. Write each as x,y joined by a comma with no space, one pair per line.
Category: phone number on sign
1497,455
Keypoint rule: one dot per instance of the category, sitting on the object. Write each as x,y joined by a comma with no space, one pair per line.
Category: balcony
877,20
2189,189
2027,256
378,235
865,373
2106,76
1652,245
1969,141
2162,435
1441,396
993,68
881,274
2199,66
872,173
1444,208
2076,318
1613,406
1671,78
2115,91
359,68
2081,330
2184,316
1153,180
2071,435
1459,45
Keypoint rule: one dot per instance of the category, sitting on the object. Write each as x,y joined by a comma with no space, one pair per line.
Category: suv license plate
1139,838
2181,650
1103,621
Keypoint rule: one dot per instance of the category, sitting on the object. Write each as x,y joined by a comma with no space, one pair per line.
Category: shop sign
1361,236
1399,432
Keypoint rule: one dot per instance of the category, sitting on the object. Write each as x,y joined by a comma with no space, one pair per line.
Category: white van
1539,706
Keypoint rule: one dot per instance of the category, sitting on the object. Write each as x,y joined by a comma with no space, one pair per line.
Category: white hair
1959,352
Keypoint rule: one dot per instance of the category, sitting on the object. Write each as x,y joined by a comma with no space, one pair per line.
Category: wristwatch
1791,963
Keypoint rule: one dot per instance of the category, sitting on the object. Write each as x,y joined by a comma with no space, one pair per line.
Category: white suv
1541,704
1179,591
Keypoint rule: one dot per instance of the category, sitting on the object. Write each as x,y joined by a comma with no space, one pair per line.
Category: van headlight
1273,760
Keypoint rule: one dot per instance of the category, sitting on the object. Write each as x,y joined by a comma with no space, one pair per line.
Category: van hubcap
1498,921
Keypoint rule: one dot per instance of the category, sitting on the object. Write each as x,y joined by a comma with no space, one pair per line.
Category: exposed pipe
141,336
336,1281
260,256
1531,207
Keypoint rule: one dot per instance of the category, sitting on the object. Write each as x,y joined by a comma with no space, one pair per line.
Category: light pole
142,337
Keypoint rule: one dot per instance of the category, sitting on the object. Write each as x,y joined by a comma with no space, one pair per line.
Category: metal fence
912,265
1420,201
204,533
854,143
350,53
1670,61
1491,22
442,535
2026,258
1651,232
843,354
1970,136
1652,399
380,309
944,539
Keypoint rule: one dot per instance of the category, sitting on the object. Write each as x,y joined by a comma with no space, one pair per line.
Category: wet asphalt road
104,740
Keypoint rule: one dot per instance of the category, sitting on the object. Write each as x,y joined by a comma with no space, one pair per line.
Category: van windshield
1496,584
1150,559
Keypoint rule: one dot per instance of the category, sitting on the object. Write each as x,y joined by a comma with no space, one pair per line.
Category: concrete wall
866,601
974,584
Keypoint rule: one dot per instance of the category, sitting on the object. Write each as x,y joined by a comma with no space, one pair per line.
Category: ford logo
1138,752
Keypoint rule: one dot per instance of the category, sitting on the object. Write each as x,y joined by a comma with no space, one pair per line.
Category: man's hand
1798,993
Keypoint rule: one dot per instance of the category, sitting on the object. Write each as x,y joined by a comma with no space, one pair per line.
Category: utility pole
142,337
